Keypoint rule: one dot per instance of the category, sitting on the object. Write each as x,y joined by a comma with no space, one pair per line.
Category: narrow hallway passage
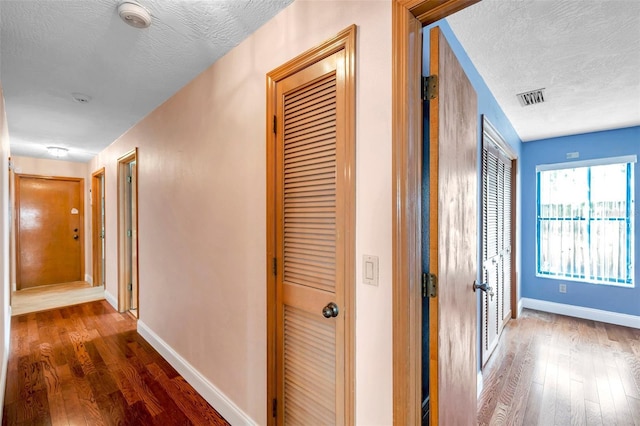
86,364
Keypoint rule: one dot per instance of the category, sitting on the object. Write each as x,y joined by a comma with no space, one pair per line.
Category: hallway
86,364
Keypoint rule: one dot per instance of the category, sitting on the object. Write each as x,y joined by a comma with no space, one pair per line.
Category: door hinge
274,407
429,87
129,233
130,287
274,266
275,124
129,179
429,282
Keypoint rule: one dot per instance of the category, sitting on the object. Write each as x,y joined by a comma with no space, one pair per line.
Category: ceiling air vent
531,98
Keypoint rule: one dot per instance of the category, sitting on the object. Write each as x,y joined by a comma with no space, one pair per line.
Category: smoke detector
135,15
531,98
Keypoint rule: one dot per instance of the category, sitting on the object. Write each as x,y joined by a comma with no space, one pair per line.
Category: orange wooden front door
49,230
453,238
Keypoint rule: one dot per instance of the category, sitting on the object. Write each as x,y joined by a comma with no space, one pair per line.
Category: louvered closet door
490,249
309,246
496,242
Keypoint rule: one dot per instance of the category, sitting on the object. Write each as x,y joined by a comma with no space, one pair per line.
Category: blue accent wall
611,143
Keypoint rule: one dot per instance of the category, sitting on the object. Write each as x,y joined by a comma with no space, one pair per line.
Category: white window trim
587,163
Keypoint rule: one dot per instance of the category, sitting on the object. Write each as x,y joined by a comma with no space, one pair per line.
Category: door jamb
345,40
97,193
123,161
408,17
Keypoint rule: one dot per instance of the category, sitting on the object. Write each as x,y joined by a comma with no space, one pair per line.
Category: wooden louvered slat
302,97
309,122
304,113
313,134
308,401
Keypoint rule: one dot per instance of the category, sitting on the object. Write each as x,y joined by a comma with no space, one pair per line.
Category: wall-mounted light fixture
57,151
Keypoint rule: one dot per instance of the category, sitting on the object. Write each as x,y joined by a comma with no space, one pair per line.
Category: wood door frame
123,161
408,18
17,177
345,40
96,214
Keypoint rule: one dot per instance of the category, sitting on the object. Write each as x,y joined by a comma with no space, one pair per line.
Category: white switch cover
370,270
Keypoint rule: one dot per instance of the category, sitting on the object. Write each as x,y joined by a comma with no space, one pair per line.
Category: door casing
408,18
345,40
97,204
124,268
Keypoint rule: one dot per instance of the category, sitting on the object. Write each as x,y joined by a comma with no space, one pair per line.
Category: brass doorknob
330,311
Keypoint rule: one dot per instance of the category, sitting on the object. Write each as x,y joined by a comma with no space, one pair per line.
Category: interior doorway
128,233
49,230
448,375
98,226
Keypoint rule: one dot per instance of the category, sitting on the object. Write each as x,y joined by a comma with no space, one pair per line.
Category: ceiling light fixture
135,15
57,151
81,98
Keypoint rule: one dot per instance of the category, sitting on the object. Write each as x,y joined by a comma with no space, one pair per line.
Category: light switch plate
370,270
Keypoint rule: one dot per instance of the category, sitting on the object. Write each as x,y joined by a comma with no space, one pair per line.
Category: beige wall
202,207
4,247
58,168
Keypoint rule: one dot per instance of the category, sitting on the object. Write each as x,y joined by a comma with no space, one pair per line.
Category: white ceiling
50,49
585,54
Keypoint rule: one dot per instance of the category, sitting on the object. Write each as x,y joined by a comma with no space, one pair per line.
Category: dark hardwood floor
87,365
555,370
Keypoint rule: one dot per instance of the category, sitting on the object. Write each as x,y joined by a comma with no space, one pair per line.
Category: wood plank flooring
555,370
54,296
87,365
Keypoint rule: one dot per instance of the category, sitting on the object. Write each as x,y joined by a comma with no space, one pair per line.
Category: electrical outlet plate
563,288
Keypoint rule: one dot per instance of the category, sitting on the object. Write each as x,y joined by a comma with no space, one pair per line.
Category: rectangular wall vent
531,98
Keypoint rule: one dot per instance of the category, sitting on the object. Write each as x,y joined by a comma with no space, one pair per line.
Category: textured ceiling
50,49
585,54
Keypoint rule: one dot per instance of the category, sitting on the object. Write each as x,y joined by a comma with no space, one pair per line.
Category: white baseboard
209,392
479,384
88,278
582,312
520,307
111,299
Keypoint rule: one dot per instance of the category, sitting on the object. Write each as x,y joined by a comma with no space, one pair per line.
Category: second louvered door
496,241
309,245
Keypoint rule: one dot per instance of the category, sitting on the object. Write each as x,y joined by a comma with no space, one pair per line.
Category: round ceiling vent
134,14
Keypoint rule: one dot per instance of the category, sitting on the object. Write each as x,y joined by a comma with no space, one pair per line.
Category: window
585,221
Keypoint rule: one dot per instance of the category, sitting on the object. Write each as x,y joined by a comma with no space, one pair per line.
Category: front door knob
330,311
